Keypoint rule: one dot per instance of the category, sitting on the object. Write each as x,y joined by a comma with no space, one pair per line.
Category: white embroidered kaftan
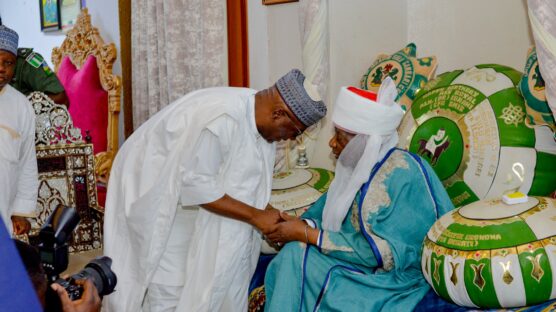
18,160
157,170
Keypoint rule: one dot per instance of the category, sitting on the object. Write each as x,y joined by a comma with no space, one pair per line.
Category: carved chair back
66,174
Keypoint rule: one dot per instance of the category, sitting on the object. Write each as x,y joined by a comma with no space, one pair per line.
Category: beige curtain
177,47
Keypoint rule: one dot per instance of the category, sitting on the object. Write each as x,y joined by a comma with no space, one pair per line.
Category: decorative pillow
409,73
531,87
88,100
470,126
492,255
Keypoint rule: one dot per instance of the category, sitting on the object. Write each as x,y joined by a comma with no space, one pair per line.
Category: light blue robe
346,272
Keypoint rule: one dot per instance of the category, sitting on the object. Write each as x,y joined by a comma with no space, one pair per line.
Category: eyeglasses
299,132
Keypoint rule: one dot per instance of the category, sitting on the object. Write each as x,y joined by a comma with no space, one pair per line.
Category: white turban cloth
374,119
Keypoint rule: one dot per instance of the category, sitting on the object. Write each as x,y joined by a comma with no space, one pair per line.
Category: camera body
54,255
74,291
98,271
54,236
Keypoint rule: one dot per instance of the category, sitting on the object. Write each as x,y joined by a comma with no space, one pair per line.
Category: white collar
251,116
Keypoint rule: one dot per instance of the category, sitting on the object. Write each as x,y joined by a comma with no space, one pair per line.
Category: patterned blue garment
373,263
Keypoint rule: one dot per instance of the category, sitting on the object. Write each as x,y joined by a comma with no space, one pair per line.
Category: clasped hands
279,228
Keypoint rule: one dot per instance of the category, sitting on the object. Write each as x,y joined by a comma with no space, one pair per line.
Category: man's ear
278,113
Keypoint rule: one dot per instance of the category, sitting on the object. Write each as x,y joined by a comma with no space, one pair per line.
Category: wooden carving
81,41
53,124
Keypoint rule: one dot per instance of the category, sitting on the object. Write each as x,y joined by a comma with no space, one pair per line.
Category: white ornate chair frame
66,174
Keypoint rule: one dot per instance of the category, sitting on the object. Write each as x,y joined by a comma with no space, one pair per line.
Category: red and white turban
374,118
365,112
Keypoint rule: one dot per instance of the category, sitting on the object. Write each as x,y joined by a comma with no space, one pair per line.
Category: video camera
53,250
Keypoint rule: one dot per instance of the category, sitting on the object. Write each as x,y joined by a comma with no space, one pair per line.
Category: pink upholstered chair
83,64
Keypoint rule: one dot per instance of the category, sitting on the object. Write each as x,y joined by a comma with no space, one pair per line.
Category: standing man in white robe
18,161
188,191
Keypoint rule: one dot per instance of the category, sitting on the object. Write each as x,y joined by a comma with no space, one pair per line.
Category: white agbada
169,162
18,161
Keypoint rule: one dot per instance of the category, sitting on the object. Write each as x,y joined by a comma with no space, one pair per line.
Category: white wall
104,16
285,43
259,65
465,33
358,32
274,43
461,33
23,16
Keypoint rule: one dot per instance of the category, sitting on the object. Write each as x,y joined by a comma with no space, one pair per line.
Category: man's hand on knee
21,225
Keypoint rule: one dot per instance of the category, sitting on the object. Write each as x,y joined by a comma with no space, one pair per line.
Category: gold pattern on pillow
408,72
531,86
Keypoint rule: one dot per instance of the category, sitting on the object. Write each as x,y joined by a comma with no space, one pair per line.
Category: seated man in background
32,73
361,251
188,192
18,162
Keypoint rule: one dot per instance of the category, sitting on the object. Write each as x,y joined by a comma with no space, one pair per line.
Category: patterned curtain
542,14
177,47
313,24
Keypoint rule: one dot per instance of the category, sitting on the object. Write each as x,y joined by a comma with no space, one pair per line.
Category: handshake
279,228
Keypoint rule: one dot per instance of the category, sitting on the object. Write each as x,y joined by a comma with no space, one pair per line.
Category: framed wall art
69,9
269,2
50,15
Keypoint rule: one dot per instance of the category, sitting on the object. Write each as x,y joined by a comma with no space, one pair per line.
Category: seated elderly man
359,245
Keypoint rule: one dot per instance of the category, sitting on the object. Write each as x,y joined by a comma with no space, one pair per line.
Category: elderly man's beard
353,168
352,152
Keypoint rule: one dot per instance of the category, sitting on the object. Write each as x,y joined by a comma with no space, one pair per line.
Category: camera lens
98,270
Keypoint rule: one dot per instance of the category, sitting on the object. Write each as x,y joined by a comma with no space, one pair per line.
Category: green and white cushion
408,72
492,255
470,125
531,87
